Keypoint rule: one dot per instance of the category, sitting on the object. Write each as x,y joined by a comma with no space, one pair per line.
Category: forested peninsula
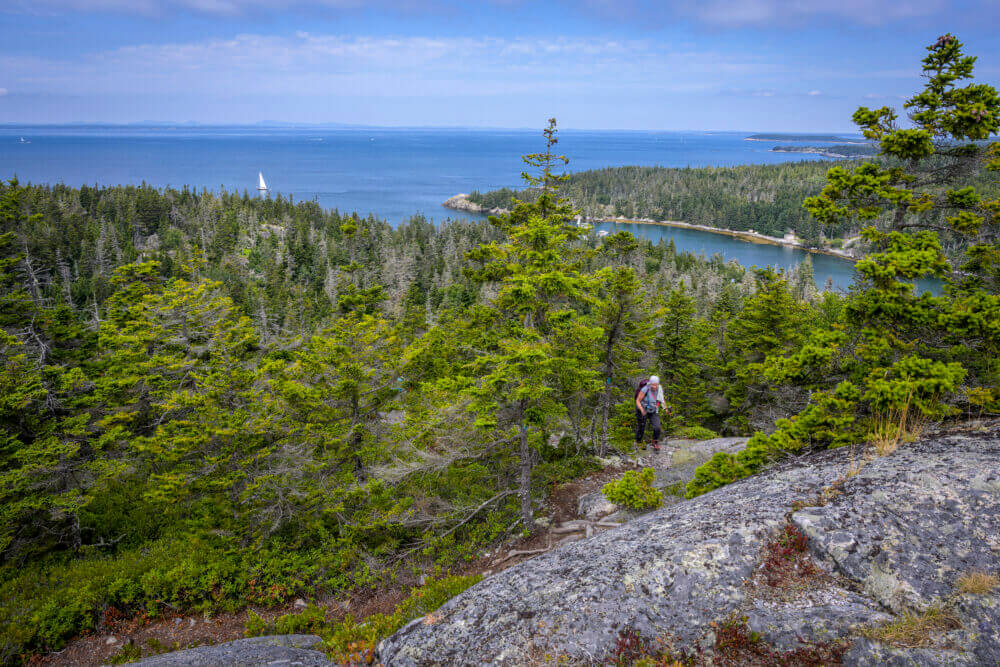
313,424
764,198
836,150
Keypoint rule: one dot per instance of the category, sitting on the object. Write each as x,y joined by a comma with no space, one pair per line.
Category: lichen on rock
894,539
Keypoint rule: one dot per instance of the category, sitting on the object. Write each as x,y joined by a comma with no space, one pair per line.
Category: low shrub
737,644
130,652
43,606
902,397
786,569
828,422
351,641
889,427
633,650
563,470
310,621
634,490
695,433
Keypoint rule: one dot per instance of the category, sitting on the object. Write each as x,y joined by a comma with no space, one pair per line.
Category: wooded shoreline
461,202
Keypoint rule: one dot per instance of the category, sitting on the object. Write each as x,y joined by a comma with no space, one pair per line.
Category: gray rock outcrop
674,465
461,202
893,538
278,651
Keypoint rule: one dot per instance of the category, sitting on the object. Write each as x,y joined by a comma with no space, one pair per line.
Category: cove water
391,173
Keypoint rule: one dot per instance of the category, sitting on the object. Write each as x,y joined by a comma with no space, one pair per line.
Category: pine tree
917,347
913,352
625,321
680,358
770,323
536,341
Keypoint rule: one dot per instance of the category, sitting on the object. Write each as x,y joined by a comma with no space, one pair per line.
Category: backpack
642,383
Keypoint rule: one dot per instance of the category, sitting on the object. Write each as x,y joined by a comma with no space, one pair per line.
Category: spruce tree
680,351
536,340
918,346
626,326
899,351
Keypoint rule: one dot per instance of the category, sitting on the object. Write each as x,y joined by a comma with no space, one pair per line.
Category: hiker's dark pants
640,425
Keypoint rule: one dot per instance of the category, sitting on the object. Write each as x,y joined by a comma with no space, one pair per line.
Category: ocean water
391,173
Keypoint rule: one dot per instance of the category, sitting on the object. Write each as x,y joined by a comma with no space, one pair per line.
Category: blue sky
794,65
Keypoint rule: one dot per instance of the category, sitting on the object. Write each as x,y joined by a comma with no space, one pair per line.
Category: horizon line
325,125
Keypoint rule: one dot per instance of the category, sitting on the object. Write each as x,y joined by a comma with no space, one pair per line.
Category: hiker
648,401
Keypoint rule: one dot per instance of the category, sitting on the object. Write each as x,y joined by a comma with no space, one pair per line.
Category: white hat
654,379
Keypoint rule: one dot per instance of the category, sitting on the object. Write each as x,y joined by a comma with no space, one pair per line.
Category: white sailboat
261,185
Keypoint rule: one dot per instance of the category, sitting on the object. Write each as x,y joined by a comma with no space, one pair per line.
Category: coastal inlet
745,248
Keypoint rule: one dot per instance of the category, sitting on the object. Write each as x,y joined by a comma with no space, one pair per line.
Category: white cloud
737,13
755,92
216,7
3,91
815,92
724,13
313,64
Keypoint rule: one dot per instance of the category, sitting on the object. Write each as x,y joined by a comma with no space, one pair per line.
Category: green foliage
209,401
682,358
764,198
896,348
772,322
130,652
343,638
311,620
562,470
623,315
695,433
354,641
634,490
827,422
536,344
44,605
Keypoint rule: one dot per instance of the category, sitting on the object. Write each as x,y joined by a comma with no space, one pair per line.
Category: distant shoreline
800,139
461,202
822,153
750,237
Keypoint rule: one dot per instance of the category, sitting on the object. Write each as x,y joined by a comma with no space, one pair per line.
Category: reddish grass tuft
736,644
786,567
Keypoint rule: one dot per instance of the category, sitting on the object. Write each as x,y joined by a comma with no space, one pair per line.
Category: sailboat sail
261,184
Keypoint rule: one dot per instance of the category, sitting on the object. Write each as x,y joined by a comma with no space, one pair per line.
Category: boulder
892,538
593,506
298,650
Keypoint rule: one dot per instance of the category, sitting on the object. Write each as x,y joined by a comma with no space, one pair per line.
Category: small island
822,138
836,151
